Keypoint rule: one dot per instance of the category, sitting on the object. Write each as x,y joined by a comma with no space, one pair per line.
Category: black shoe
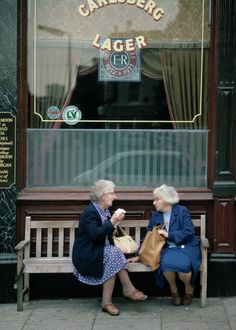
176,299
188,298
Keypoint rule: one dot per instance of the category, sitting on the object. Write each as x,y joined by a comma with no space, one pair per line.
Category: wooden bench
47,248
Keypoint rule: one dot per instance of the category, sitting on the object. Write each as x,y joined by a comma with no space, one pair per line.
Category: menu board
7,149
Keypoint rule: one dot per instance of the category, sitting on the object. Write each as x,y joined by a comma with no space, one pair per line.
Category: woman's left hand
163,232
134,259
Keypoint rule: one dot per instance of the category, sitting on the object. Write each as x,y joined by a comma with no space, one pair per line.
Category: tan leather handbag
125,242
150,250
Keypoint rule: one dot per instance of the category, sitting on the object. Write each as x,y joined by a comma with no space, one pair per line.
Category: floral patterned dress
113,261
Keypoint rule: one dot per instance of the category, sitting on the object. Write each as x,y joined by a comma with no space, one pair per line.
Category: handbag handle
119,230
159,227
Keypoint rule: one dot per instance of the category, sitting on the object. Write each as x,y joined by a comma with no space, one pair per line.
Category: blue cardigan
182,233
88,248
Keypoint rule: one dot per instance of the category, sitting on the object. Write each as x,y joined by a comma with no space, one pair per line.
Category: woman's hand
117,217
134,259
163,232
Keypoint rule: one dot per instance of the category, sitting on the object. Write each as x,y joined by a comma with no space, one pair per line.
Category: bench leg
20,293
203,278
26,287
20,281
203,289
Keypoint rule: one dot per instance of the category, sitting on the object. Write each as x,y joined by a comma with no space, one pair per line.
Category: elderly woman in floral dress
96,260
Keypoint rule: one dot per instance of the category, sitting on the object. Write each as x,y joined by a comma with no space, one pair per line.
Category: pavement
85,314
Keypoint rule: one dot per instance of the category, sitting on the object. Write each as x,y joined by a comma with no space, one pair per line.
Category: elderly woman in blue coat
97,261
181,255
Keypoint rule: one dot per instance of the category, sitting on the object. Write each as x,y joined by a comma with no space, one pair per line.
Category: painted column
225,184
8,111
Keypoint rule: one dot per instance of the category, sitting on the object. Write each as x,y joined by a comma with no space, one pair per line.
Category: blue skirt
176,260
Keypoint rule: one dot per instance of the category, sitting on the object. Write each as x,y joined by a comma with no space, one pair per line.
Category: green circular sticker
71,115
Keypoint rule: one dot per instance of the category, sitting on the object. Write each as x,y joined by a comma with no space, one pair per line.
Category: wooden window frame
24,116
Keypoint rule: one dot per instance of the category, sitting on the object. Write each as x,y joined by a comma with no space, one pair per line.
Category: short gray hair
100,187
167,193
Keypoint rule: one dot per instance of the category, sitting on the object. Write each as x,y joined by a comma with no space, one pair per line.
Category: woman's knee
169,275
185,276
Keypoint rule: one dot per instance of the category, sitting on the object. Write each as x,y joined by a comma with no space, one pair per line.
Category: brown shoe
176,299
188,298
111,309
136,295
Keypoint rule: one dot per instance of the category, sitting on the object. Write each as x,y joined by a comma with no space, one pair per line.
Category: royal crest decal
119,65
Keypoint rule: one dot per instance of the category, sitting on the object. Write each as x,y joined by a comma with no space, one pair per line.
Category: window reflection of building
172,93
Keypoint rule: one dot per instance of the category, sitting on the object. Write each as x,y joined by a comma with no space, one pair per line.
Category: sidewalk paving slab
86,314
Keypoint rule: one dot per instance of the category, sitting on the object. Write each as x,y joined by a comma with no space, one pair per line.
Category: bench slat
48,265
61,242
72,238
134,223
138,267
38,242
54,224
138,235
49,242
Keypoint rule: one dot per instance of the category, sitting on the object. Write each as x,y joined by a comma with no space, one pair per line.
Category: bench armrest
21,245
205,243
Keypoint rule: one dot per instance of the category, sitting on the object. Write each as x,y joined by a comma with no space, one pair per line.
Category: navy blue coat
88,248
182,233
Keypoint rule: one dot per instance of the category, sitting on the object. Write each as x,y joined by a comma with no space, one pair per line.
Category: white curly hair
101,187
167,193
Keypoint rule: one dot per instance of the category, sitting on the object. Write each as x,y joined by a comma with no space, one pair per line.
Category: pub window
140,132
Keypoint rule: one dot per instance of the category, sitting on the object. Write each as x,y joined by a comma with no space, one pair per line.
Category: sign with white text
7,149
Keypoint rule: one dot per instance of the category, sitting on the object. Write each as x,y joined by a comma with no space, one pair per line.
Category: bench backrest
55,238
137,228
50,238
